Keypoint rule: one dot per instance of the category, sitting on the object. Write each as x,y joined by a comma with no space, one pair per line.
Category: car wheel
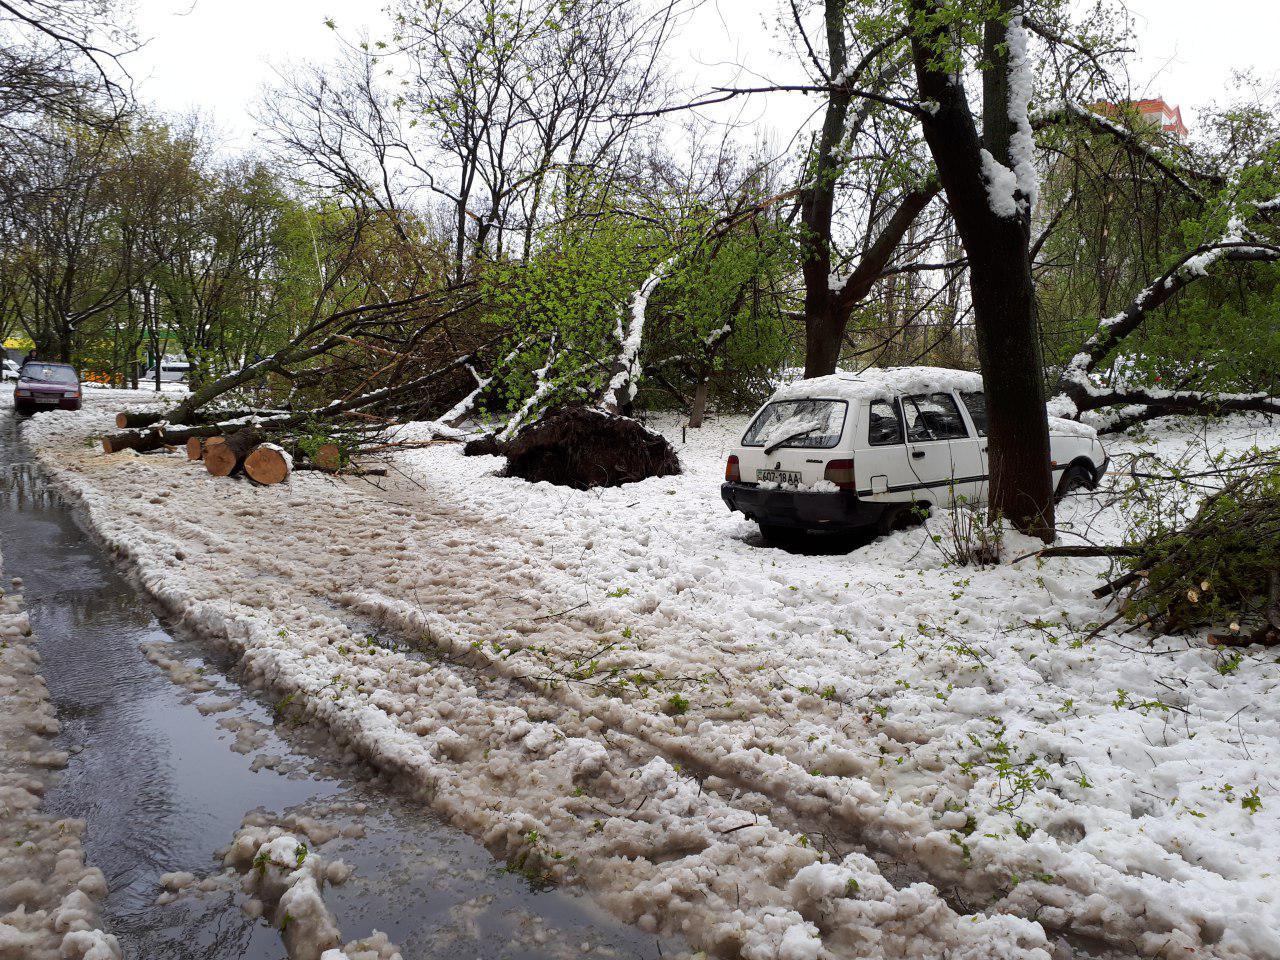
901,517
1076,477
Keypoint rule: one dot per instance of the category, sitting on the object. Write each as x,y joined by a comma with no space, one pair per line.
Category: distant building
1155,112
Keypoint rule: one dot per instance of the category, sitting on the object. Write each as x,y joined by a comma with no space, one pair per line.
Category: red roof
1168,117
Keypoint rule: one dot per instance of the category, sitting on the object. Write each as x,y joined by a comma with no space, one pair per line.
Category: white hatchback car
869,450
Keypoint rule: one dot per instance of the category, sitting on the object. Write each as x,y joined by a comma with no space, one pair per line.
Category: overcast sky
216,56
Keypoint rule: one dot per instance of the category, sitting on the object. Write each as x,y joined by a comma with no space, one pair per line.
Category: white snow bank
963,724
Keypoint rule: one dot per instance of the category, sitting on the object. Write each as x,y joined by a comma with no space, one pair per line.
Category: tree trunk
824,330
698,409
997,243
328,457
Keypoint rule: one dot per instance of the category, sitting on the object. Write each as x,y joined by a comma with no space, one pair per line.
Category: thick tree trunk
824,324
328,457
997,242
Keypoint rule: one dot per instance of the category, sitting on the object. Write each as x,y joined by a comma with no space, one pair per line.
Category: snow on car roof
879,383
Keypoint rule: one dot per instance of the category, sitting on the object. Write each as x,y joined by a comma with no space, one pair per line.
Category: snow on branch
1012,191
1066,110
544,386
622,388
1078,390
467,403
1191,268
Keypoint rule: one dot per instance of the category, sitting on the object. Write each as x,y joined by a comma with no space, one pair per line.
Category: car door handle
917,454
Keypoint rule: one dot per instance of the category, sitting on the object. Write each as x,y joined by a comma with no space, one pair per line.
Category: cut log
268,464
328,457
135,421
133,440
224,459
195,448
140,421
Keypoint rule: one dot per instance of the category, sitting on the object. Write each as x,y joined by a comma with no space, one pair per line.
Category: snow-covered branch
630,331
1190,268
464,406
544,385
1061,111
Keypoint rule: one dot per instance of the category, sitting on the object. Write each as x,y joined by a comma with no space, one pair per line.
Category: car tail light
840,472
731,472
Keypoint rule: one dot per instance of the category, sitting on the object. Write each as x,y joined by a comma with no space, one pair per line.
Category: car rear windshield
49,373
797,423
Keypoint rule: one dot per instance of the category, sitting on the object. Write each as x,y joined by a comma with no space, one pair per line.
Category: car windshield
797,423
49,373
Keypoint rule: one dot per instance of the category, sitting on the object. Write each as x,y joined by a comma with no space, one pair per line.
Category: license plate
51,401
778,476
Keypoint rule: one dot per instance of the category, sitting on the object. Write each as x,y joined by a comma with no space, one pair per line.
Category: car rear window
49,373
814,424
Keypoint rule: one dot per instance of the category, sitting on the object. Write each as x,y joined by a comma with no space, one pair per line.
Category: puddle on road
164,784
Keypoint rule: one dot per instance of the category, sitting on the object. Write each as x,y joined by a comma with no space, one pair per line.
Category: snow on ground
48,896
779,755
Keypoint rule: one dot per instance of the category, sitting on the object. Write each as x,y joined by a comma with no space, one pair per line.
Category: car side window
884,428
976,403
933,416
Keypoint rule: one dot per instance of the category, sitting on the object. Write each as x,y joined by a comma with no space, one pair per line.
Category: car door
944,459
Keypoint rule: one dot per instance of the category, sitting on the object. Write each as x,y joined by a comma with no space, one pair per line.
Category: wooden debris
268,464
226,458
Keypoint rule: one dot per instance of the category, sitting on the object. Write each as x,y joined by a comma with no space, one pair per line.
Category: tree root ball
487,446
581,448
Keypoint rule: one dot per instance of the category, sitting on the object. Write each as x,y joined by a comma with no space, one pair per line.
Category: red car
46,386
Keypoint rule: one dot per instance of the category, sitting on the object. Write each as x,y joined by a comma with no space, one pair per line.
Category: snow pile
620,689
286,881
881,383
48,896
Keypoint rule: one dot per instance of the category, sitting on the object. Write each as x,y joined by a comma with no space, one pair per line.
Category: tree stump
224,459
268,464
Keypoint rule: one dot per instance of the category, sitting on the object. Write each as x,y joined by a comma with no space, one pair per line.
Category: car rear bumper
839,510
38,402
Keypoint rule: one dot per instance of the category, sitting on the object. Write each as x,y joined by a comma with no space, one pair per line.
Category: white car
173,369
847,452
8,369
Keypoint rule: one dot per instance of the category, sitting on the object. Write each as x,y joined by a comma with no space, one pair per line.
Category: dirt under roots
582,448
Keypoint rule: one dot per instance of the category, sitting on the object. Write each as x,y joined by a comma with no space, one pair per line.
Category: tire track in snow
679,855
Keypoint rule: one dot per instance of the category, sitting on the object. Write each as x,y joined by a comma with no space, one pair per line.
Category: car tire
901,516
1076,477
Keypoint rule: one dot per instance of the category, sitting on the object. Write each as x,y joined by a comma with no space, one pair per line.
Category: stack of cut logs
244,450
